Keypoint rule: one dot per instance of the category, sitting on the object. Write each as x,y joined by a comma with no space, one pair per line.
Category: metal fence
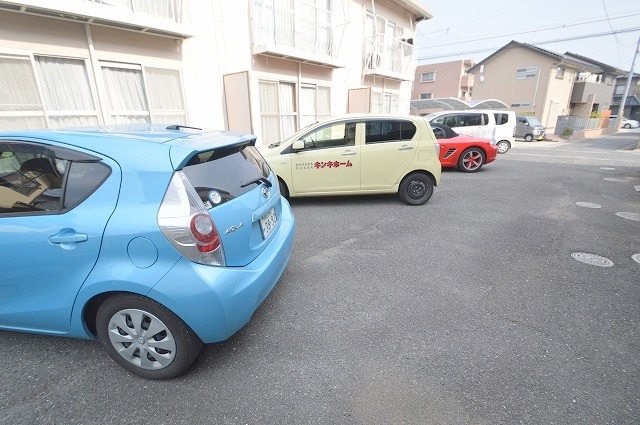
572,124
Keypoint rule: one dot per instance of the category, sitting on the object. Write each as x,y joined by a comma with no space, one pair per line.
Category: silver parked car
529,128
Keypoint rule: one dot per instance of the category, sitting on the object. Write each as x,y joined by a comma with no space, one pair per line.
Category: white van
497,126
505,129
470,122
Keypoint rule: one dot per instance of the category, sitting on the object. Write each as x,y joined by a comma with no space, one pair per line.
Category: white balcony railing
160,17
297,29
388,56
170,10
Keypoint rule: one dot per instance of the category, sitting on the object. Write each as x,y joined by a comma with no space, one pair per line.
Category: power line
483,19
431,46
579,37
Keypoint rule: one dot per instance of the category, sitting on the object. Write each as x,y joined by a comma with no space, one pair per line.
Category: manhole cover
636,258
607,168
629,215
614,179
587,205
593,259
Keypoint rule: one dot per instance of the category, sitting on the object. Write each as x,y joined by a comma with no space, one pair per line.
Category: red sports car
467,153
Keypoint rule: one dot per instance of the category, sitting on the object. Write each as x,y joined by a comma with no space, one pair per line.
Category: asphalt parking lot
492,303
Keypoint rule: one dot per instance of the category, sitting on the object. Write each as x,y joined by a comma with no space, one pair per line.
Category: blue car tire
146,338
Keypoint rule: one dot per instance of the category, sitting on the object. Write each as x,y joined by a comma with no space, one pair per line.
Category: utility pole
626,89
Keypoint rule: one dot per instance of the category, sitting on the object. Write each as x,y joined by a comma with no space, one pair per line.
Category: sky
472,29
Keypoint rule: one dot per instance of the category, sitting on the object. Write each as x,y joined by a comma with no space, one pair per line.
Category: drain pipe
97,77
535,92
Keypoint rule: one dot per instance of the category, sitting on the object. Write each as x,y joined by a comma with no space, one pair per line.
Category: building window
61,96
166,102
525,73
61,93
315,104
426,96
520,105
428,77
127,100
136,97
386,102
560,72
20,104
277,110
66,92
619,90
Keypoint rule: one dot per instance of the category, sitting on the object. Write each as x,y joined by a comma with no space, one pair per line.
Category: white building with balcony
267,67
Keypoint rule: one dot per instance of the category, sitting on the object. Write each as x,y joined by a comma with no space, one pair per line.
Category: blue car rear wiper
258,181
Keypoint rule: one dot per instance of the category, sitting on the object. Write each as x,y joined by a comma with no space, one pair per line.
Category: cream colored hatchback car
359,154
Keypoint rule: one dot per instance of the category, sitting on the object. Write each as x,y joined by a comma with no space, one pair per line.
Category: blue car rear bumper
218,301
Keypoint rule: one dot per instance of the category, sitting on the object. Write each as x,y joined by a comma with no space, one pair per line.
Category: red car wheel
471,160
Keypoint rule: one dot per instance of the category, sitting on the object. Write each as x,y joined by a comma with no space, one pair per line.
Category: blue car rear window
230,171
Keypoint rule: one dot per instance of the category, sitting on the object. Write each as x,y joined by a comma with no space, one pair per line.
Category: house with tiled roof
535,81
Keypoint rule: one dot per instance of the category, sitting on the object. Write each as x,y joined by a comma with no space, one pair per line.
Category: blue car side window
83,179
40,179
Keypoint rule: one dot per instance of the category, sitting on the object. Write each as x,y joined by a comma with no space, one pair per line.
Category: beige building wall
543,95
557,97
451,80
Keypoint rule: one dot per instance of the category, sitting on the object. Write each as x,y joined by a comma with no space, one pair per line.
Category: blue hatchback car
152,239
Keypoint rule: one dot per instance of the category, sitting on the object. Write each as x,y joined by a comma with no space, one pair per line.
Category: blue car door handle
64,238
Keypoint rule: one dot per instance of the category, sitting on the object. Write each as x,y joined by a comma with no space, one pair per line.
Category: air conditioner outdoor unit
373,60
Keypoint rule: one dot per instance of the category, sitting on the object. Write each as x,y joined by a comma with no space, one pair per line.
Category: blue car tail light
183,219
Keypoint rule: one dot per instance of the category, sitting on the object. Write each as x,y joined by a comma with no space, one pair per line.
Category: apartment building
444,80
267,67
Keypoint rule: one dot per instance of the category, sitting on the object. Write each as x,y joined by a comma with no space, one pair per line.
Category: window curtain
308,113
386,103
376,102
20,104
166,100
324,102
269,112
66,92
127,100
287,109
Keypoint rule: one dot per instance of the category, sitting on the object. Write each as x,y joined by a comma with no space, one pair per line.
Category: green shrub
567,132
